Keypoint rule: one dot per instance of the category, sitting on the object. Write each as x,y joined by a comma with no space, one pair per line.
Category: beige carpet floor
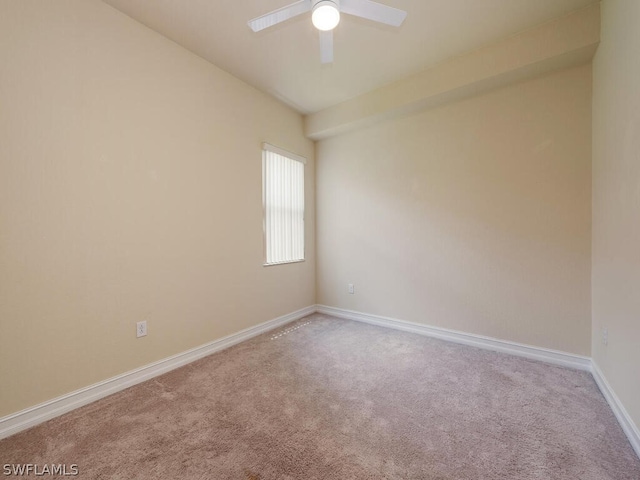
325,398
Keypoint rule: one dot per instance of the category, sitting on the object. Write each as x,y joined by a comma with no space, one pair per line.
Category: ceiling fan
326,16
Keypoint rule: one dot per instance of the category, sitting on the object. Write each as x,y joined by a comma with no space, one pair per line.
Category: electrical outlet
141,329
352,289
605,336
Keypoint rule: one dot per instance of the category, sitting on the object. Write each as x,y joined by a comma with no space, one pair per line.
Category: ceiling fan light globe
325,16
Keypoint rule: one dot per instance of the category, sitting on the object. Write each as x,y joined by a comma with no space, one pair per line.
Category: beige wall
475,216
130,189
616,201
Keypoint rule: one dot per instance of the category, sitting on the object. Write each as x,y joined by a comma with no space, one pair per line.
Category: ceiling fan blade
373,11
280,15
326,46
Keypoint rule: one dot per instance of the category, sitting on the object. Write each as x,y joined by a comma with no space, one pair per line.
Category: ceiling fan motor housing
333,3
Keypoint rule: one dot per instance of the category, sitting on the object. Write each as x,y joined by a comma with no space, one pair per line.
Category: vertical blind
283,198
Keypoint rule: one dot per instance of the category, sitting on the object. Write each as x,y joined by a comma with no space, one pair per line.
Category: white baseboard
32,416
527,351
624,419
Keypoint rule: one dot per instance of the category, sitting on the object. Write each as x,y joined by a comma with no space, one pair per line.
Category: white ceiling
285,60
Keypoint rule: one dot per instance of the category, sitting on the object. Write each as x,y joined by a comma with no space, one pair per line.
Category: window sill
282,263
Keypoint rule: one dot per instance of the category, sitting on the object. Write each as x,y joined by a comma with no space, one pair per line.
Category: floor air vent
289,330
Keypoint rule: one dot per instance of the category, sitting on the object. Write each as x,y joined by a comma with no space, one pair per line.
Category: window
283,200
